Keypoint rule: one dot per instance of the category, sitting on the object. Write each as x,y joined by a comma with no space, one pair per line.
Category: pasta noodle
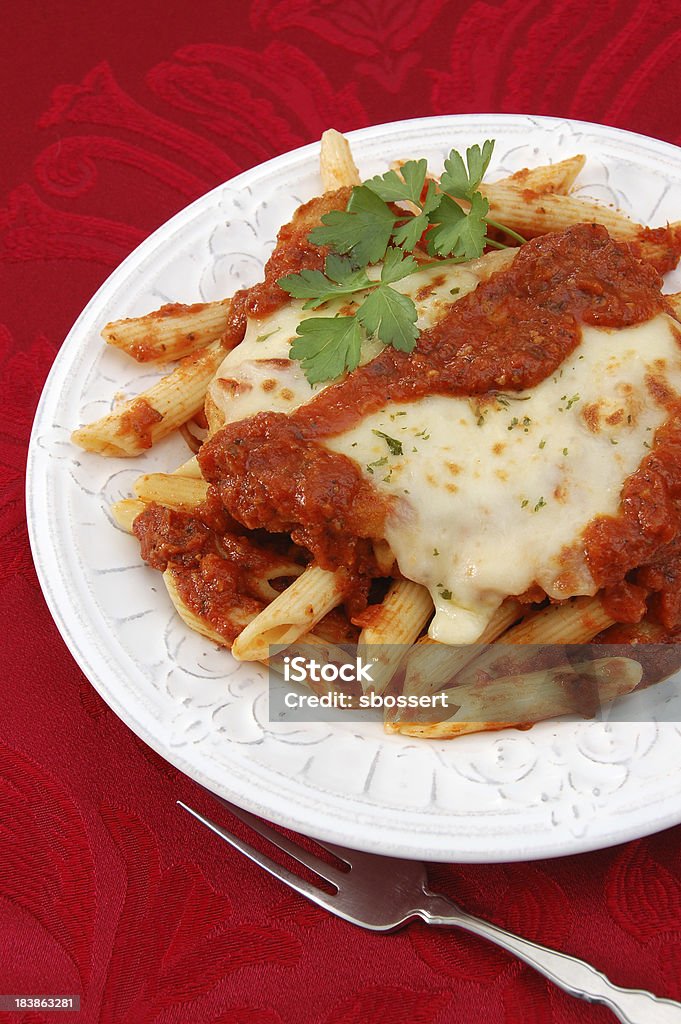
398,620
431,665
181,492
292,613
126,511
337,167
169,333
557,178
144,420
538,214
527,698
189,468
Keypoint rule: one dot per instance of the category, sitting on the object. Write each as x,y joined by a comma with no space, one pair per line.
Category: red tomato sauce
218,573
509,334
270,476
138,420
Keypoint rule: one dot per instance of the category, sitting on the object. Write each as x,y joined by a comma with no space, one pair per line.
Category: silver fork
384,893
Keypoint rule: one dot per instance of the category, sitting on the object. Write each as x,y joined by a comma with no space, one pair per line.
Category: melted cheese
489,498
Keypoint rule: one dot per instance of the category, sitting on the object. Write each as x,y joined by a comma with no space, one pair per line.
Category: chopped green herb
613,441
565,451
436,552
504,398
395,447
264,337
542,443
524,503
379,462
540,504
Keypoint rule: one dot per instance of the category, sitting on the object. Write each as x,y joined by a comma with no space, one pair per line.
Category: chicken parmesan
528,445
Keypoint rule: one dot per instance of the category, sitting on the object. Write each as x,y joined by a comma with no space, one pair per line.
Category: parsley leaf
457,232
394,446
379,462
341,278
408,234
391,316
392,188
363,229
327,346
397,265
462,180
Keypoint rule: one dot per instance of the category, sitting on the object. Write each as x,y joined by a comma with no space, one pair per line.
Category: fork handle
631,1006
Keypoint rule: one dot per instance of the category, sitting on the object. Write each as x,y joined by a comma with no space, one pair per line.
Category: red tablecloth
116,115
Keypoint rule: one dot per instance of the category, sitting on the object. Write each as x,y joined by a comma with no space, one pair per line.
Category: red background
115,116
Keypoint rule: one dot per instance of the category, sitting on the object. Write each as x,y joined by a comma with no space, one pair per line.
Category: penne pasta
557,178
169,333
324,650
674,300
190,618
336,163
125,512
431,665
180,492
531,697
142,421
575,622
536,214
292,614
189,468
398,620
657,246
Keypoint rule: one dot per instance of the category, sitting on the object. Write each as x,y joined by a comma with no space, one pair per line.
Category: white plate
560,788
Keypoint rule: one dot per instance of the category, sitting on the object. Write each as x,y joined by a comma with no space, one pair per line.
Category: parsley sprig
372,230
329,346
